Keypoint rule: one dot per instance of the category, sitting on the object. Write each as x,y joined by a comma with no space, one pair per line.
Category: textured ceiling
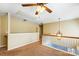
65,11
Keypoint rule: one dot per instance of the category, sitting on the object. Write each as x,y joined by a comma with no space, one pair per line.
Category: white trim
8,22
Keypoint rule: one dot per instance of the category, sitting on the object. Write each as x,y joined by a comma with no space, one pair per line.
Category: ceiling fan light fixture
40,9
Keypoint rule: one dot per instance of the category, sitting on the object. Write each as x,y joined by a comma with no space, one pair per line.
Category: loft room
49,30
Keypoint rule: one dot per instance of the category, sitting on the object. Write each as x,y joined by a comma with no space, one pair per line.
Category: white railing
71,44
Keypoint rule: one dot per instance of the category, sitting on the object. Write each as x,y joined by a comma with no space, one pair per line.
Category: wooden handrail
62,36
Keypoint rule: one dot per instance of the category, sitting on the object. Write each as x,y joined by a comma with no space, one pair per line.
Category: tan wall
5,24
18,25
0,30
4,29
68,28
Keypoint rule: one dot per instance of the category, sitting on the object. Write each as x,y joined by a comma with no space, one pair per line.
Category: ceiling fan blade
47,9
36,13
31,4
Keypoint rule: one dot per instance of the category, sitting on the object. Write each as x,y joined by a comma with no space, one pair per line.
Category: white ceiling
65,11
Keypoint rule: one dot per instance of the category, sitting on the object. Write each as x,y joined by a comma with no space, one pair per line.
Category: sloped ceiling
65,11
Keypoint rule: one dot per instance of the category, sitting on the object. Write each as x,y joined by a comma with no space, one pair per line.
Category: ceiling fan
40,7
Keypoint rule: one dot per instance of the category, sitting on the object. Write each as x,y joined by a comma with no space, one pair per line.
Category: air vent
24,20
